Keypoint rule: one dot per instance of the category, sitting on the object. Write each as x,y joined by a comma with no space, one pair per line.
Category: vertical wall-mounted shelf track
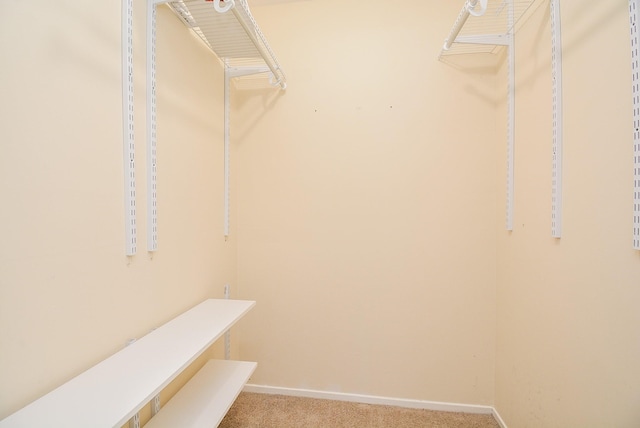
127,126
488,26
511,119
152,196
556,71
230,31
634,20
227,148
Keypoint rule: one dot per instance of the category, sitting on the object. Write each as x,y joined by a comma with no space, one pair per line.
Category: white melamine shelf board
207,397
487,33
234,36
111,392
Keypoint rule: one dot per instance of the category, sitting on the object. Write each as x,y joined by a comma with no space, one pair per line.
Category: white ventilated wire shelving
485,33
234,36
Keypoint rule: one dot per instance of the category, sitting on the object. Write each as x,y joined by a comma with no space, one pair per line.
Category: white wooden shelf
113,391
206,398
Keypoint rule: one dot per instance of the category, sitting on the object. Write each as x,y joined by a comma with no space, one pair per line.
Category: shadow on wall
268,96
600,13
483,63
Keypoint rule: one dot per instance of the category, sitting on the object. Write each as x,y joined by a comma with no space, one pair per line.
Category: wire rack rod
493,22
232,36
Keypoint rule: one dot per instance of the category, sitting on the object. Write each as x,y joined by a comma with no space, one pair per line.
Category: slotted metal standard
135,421
230,31
486,26
152,167
556,74
127,126
634,21
511,120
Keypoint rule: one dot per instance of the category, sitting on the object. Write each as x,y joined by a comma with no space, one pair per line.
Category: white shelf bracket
484,39
134,422
556,72
127,126
155,405
634,21
227,334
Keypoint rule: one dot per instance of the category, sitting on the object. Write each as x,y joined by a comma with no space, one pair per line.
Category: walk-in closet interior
421,203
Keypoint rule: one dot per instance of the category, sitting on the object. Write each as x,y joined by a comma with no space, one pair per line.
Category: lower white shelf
207,397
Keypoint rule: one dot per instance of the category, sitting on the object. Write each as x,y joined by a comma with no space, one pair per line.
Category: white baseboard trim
373,399
498,419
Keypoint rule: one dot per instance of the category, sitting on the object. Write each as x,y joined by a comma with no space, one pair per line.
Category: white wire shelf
486,33
234,36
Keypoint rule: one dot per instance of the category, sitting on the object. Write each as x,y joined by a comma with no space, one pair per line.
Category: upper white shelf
231,32
482,26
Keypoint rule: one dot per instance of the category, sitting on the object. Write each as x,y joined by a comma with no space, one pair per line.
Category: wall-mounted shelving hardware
486,27
127,127
230,31
634,22
556,80
483,26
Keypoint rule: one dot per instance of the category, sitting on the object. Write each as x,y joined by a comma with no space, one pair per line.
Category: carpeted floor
277,411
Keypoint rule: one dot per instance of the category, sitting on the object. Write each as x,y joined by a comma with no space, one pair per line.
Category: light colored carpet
277,411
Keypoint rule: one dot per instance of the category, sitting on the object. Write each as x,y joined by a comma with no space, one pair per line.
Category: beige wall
367,213
568,342
68,295
370,207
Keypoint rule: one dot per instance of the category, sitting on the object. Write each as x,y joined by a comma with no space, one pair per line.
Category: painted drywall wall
367,206
68,295
568,338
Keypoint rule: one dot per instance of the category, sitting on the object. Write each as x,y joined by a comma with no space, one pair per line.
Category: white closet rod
467,10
